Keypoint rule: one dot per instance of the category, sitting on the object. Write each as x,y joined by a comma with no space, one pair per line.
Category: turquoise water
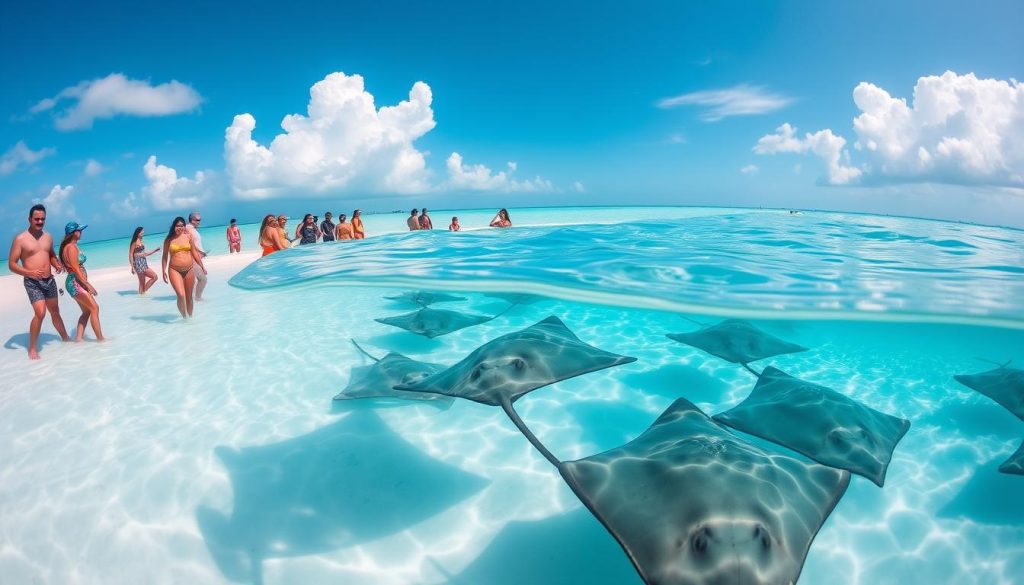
211,451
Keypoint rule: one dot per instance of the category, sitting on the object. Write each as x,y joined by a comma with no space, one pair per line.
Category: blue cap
72,227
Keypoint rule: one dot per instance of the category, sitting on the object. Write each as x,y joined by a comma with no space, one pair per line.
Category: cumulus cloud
58,201
958,129
130,206
578,187
344,142
741,100
166,191
823,143
21,154
749,169
116,95
93,168
481,178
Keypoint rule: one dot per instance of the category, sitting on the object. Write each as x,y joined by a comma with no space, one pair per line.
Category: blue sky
593,103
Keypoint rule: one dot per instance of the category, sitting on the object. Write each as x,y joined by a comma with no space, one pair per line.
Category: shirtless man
34,249
413,222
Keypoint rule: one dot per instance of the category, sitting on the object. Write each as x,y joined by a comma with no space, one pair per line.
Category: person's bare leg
94,317
38,311
58,323
200,285
190,282
179,290
142,283
150,280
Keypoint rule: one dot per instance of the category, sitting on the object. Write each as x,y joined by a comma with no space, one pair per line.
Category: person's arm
496,222
153,251
131,255
197,256
278,240
163,258
15,268
55,262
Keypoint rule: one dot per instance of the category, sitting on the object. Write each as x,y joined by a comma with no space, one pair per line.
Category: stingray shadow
169,318
20,341
989,497
406,342
676,381
129,293
568,548
341,485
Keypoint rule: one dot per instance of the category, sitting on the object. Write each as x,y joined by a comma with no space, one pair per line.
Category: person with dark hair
454,226
344,230
327,226
357,225
413,222
501,219
425,222
181,256
307,231
137,255
234,236
270,236
33,249
77,282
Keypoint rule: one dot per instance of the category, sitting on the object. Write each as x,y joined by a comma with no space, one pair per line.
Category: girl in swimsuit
77,282
234,236
344,229
137,259
501,220
357,225
270,236
181,256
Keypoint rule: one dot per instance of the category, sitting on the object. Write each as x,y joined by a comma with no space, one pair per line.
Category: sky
119,114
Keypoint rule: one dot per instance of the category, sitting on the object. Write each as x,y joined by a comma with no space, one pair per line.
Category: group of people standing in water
420,220
274,230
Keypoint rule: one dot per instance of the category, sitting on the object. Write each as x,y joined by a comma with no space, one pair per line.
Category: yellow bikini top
175,248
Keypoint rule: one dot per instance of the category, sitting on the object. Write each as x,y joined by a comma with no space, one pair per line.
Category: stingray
691,503
1015,464
433,323
378,380
516,298
424,298
737,341
504,369
1004,385
823,424
339,486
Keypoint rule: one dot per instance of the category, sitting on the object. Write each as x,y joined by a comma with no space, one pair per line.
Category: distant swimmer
501,219
33,249
413,222
454,226
234,236
425,222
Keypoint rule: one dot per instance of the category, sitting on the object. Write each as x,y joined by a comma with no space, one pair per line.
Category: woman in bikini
137,255
501,220
77,281
234,236
181,256
344,230
358,232
270,236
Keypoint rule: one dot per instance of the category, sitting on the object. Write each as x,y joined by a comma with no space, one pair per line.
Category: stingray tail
750,369
363,351
995,363
507,407
694,321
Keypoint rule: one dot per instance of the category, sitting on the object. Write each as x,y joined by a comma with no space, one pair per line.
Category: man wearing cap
194,219
34,249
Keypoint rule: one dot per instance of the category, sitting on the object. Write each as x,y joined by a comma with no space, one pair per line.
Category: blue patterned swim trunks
39,289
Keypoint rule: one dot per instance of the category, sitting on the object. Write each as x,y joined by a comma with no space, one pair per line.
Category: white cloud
578,187
749,169
957,130
58,201
167,191
344,143
823,143
480,178
21,154
116,95
741,100
93,168
130,206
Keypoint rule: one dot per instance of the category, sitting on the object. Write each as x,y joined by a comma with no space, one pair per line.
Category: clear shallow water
210,451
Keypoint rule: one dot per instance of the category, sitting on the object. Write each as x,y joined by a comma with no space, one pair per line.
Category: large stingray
1015,464
691,503
737,341
339,486
1004,385
433,323
378,380
424,298
502,370
823,424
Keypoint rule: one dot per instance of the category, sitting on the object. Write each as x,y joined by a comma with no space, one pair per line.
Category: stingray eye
700,541
836,438
476,374
519,364
761,534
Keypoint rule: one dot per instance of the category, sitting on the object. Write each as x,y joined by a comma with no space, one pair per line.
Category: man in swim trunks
194,219
34,249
